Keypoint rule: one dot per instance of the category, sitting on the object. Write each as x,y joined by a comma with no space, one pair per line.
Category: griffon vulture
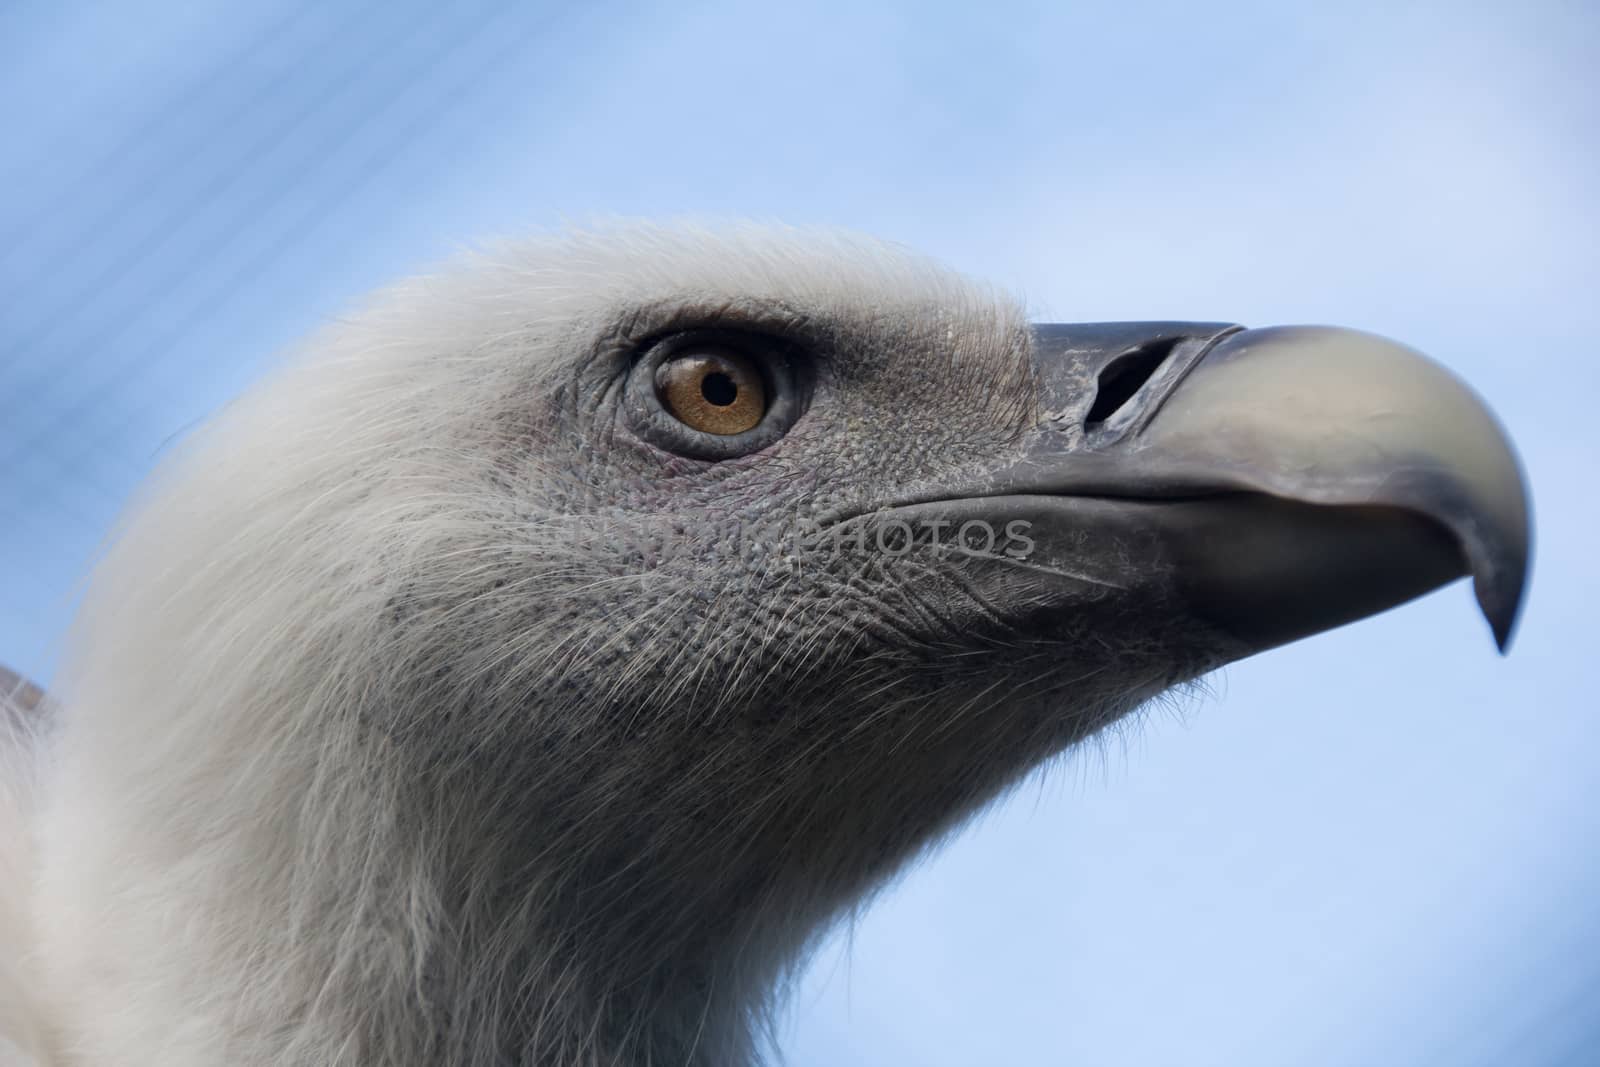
532,667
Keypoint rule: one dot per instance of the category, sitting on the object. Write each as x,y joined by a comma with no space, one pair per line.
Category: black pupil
719,389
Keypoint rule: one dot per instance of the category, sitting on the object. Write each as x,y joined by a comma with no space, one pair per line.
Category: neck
359,919
351,867
336,906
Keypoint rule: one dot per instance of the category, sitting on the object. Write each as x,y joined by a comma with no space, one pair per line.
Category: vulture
532,666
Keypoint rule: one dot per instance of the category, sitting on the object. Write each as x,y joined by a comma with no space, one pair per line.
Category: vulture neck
352,895
322,861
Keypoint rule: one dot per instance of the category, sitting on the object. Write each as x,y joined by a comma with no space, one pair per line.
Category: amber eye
714,392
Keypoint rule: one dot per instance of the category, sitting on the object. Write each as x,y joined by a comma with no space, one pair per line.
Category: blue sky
1378,846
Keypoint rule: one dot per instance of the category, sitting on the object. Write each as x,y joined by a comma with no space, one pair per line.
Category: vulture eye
714,392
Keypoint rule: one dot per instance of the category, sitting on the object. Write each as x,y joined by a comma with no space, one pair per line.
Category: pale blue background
1378,847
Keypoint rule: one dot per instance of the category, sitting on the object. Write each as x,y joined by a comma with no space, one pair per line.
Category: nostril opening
1126,375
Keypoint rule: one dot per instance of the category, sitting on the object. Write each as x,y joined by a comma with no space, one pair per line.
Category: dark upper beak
1376,474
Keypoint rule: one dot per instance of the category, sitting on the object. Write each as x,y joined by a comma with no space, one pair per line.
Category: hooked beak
1275,482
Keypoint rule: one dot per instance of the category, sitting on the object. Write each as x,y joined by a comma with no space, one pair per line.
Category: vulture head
531,669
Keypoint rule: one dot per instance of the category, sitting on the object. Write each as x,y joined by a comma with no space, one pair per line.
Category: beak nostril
1124,376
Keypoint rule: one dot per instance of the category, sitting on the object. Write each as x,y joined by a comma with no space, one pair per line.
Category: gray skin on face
575,727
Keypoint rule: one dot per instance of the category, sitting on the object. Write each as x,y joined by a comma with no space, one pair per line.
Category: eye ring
713,394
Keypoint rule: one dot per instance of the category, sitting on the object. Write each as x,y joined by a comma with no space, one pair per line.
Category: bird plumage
333,825
21,714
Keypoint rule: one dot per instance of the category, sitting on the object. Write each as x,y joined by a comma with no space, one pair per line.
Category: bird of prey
535,664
